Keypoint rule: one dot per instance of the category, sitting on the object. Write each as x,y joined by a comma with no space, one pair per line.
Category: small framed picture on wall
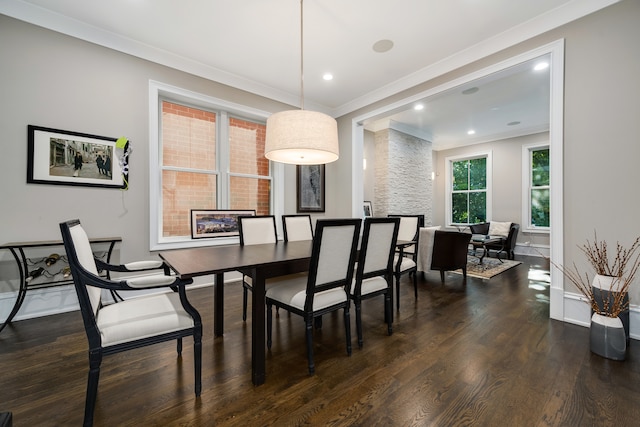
310,188
367,209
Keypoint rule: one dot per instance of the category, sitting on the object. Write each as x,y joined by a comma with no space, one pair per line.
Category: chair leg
347,328
245,297
442,275
387,313
415,285
179,346
398,292
269,325
358,305
318,322
197,360
95,359
309,329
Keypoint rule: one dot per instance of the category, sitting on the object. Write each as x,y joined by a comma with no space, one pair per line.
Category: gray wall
51,80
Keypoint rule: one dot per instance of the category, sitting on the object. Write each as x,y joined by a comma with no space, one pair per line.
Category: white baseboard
40,302
62,299
578,312
533,250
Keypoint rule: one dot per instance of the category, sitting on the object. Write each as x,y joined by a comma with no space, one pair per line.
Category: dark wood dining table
258,261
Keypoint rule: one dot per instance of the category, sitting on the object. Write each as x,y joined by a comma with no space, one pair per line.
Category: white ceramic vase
607,337
605,288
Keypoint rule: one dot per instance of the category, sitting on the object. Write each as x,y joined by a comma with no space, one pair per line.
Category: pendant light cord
301,57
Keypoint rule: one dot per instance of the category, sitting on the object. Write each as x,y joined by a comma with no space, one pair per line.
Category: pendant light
301,137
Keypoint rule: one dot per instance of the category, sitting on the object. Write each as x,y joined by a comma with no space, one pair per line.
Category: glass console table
40,272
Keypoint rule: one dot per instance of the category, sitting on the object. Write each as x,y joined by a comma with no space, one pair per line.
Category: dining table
260,262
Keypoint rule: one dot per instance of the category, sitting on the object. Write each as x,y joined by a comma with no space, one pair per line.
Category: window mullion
223,147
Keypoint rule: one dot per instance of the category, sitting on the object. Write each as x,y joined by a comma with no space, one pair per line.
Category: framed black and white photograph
206,223
71,158
367,209
310,188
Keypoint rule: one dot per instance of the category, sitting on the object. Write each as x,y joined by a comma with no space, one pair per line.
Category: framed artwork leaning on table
207,223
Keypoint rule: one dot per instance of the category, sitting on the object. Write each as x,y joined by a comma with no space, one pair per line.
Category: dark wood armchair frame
82,278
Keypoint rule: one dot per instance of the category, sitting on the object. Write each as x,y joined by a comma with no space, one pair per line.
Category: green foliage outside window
469,195
540,213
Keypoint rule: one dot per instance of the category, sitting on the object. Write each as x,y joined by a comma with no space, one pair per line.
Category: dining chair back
254,230
409,228
374,272
325,288
406,259
297,227
130,323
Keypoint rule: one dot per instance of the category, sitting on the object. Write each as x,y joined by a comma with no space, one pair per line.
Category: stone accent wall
403,183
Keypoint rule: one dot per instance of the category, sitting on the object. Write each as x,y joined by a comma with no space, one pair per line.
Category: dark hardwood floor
486,354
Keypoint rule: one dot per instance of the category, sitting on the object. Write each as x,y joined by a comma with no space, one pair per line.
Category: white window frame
448,162
527,149
160,91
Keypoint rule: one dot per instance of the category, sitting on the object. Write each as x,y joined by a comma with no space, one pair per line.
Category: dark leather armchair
450,252
508,244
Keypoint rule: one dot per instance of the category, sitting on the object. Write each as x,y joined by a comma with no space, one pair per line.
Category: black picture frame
310,183
211,223
51,159
367,209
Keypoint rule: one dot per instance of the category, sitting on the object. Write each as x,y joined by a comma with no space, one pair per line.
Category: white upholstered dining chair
130,323
374,271
254,230
325,288
297,227
405,261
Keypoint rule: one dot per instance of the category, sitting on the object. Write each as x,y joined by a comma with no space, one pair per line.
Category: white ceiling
254,45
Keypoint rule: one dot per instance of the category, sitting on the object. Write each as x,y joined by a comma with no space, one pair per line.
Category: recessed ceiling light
418,107
513,123
470,90
471,132
382,46
327,76
541,66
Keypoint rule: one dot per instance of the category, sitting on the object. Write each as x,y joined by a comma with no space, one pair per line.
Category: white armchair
131,323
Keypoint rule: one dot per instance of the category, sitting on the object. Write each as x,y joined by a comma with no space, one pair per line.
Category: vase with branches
607,293
621,270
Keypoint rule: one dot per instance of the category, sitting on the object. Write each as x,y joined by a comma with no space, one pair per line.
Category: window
468,183
536,194
205,154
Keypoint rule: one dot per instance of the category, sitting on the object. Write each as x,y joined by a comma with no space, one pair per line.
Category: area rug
490,267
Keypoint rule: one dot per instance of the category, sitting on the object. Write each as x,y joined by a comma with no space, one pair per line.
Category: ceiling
508,103
254,45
